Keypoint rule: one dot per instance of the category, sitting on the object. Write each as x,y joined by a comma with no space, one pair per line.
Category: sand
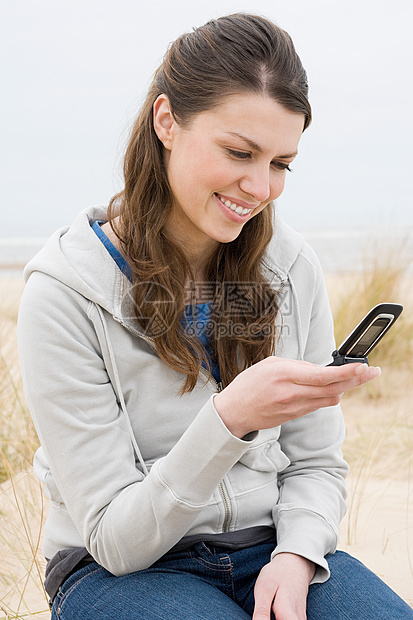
378,530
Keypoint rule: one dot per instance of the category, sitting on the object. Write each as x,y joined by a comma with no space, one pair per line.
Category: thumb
264,597
261,613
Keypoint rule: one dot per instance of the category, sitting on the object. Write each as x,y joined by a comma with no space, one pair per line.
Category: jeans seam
228,576
65,595
212,565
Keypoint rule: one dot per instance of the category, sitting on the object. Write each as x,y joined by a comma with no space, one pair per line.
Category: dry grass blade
22,563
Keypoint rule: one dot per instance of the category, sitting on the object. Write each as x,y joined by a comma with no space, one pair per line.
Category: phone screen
369,337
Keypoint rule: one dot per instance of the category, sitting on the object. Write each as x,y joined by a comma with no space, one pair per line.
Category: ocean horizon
338,250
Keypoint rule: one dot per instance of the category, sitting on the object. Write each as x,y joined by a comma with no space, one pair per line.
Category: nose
256,183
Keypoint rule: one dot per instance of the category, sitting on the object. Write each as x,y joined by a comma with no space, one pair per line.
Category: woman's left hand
282,587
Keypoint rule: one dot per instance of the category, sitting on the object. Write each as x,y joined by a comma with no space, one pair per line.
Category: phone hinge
339,360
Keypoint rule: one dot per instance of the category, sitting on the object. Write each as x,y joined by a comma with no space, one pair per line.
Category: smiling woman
191,451
232,178
234,86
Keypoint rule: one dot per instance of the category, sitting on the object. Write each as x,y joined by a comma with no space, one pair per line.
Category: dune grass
18,437
379,420
378,415
22,569
21,499
379,428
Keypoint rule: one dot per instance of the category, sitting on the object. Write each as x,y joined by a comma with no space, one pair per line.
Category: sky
74,73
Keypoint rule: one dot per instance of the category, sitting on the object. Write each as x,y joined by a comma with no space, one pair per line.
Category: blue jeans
207,583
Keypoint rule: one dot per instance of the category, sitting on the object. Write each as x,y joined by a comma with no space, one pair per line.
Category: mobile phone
366,334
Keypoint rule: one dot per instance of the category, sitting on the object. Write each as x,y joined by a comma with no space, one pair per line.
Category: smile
233,206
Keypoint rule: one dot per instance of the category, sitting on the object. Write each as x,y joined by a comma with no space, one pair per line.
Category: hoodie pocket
265,457
257,469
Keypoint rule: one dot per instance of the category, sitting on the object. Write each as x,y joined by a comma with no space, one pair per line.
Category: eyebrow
256,147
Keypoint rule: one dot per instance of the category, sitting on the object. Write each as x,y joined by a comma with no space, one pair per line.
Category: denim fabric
205,583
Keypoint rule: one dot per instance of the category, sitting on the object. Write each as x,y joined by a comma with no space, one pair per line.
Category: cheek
201,181
187,171
194,169
277,186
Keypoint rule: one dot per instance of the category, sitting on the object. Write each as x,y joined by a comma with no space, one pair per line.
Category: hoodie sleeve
87,446
312,488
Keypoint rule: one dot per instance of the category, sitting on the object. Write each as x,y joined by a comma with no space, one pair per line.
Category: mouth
242,213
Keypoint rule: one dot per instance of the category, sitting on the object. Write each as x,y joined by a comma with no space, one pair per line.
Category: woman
173,350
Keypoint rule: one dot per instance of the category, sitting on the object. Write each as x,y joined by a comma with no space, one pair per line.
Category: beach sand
378,527
378,530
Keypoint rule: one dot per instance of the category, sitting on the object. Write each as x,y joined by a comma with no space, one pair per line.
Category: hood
283,249
75,256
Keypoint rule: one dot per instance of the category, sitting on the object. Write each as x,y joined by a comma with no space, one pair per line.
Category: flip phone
366,334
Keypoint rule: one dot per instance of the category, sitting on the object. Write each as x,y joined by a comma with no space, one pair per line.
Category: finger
306,373
338,387
354,374
299,398
264,596
307,398
261,613
302,372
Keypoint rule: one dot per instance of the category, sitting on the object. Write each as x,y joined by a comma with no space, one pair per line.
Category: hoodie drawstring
298,319
118,391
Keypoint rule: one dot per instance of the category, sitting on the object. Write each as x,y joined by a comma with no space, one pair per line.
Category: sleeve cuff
308,534
248,437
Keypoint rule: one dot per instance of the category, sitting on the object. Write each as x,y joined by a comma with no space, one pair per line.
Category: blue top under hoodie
195,318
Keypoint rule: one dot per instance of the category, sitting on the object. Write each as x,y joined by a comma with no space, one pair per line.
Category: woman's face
225,167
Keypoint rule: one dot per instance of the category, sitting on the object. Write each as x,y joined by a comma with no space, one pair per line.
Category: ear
163,121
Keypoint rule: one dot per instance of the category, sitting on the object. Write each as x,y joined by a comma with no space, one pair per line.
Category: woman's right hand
277,390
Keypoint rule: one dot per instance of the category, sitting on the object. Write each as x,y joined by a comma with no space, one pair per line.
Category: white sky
73,73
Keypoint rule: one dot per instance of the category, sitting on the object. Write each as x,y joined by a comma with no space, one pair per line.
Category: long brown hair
235,54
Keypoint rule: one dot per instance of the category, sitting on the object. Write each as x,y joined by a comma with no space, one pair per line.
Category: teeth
235,207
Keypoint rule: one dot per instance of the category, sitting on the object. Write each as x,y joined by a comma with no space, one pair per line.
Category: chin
227,237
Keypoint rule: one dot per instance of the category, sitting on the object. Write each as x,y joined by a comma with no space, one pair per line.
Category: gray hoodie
130,467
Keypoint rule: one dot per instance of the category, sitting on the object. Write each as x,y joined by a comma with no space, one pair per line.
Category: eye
245,155
239,154
281,166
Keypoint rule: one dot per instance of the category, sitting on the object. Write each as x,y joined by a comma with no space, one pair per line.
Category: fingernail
378,371
360,369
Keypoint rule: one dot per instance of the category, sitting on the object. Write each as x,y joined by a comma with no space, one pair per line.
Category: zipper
281,288
135,332
218,384
227,508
